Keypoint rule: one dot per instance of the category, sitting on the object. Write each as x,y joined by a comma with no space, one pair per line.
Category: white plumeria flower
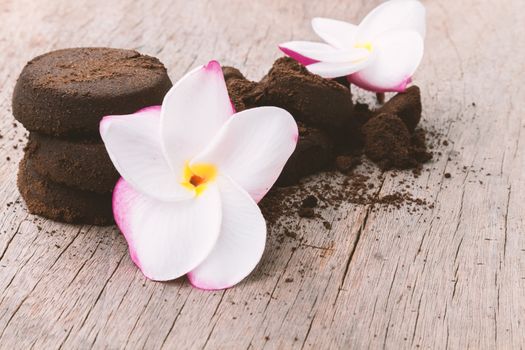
192,171
380,54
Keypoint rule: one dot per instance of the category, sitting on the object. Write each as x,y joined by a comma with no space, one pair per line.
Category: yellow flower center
366,45
198,176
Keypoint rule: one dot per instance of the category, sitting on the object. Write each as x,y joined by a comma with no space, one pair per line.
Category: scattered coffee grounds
310,202
306,212
307,207
447,176
332,189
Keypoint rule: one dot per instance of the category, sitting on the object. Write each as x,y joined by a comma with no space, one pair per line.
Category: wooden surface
448,277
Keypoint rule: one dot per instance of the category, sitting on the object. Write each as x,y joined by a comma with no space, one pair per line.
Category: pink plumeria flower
380,54
192,172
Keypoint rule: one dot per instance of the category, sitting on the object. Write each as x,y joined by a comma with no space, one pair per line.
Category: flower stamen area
198,176
365,45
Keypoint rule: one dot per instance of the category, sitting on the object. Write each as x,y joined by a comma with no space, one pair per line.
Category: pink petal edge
356,80
298,57
155,108
119,213
215,67
233,106
202,286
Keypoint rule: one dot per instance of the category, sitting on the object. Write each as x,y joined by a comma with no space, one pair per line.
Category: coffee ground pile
335,134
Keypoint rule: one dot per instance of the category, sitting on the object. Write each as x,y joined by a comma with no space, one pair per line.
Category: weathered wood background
448,277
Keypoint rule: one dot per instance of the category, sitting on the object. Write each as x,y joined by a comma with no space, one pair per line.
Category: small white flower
380,54
192,171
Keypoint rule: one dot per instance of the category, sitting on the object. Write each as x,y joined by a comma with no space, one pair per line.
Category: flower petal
315,52
296,55
167,239
392,16
336,33
252,148
134,147
193,111
240,244
335,70
397,56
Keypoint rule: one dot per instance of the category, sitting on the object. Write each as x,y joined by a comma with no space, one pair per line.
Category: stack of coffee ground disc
60,97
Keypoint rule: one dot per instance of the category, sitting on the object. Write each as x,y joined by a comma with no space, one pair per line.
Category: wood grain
451,277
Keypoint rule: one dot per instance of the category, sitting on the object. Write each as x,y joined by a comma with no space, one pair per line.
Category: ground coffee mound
311,99
387,136
314,153
387,142
334,133
406,106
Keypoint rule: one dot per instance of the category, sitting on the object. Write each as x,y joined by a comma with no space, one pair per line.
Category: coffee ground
335,134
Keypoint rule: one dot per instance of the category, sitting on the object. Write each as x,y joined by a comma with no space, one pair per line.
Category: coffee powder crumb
290,234
448,176
310,202
306,212
345,163
387,142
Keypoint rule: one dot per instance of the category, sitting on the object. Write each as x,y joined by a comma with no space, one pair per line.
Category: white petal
240,244
167,239
397,56
337,33
393,15
133,144
323,52
252,148
193,111
335,70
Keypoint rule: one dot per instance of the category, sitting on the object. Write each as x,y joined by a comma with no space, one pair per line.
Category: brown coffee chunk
311,99
345,163
60,203
314,152
242,93
406,105
81,164
231,73
387,141
67,92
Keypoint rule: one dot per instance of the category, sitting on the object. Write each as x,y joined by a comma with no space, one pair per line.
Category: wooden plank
448,277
